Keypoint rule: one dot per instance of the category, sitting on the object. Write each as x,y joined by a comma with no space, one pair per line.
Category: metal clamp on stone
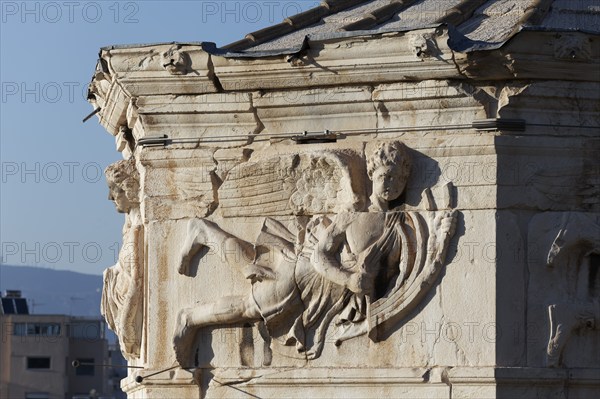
154,141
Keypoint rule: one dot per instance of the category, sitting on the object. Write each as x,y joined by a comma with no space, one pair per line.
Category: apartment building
38,354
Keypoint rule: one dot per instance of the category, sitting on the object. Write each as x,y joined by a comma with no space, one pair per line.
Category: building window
90,330
38,363
37,329
85,367
37,395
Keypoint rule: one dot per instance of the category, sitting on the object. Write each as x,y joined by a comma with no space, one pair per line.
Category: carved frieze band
347,263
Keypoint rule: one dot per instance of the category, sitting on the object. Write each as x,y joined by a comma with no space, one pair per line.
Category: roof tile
485,21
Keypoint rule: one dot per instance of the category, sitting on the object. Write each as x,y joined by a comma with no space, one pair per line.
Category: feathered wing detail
567,187
190,184
180,188
299,184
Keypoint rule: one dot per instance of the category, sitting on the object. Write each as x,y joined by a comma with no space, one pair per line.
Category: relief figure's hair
392,153
124,174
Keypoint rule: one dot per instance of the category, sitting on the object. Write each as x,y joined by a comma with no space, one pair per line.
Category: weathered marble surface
503,300
122,295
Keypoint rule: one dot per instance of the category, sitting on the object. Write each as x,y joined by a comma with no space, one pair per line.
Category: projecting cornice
431,53
124,75
147,90
391,57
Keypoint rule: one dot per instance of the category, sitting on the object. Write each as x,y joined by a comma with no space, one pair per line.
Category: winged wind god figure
360,271
122,294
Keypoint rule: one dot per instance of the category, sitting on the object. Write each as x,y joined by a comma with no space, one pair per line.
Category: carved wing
567,187
189,184
299,184
187,193
423,256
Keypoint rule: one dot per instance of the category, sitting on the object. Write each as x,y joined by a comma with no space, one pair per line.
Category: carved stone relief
313,183
423,45
545,185
98,89
122,294
576,248
570,186
340,267
572,46
564,288
175,61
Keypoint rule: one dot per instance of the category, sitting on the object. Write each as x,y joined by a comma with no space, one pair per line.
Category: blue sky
54,210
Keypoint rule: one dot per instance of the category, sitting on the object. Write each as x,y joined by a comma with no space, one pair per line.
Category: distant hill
51,291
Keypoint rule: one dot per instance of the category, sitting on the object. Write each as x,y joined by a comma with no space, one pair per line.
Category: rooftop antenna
71,299
35,303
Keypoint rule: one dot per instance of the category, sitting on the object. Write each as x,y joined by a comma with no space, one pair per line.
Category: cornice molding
192,92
